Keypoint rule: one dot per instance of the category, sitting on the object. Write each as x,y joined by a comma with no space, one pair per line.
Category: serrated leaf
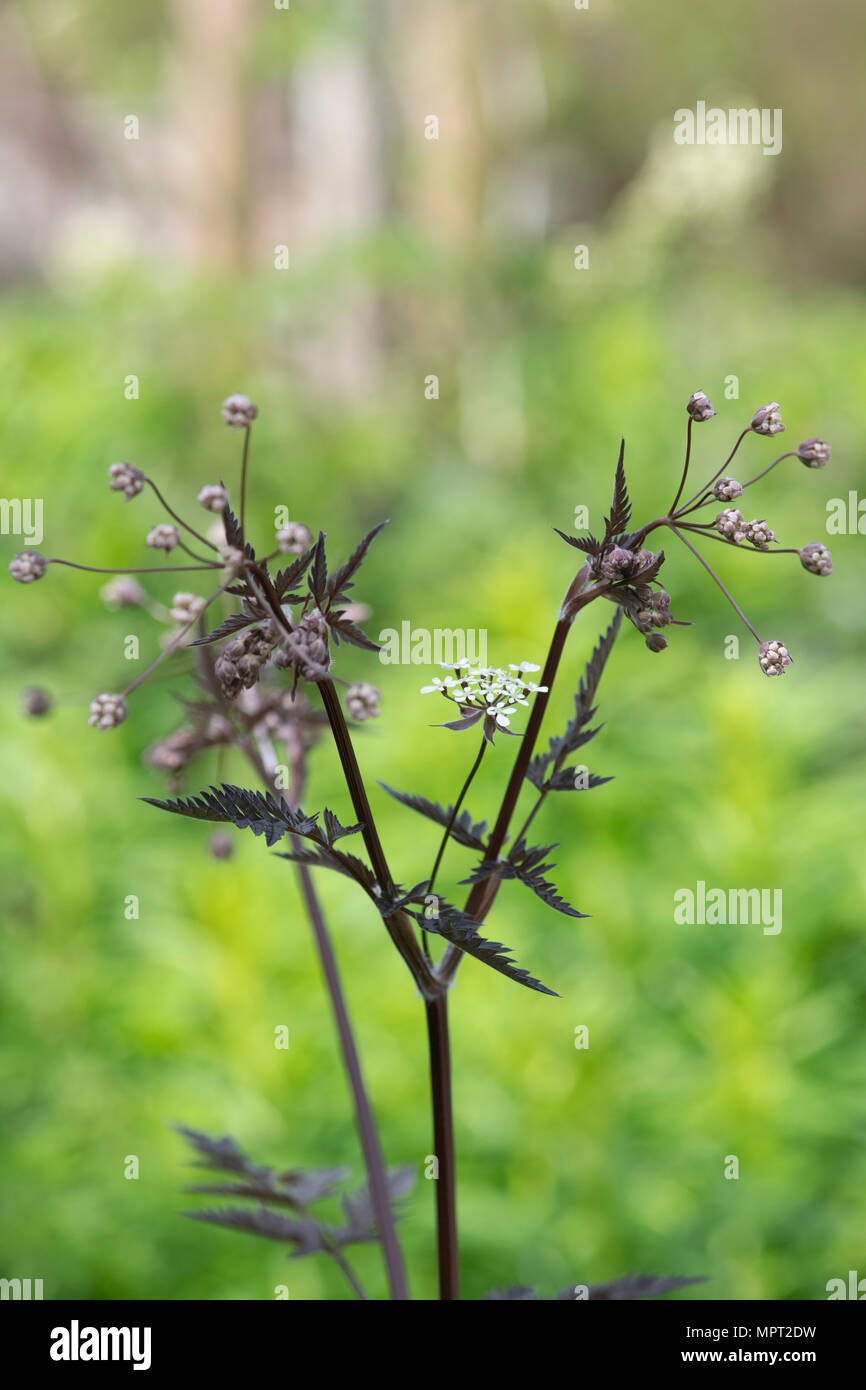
564,780
576,734
335,831
463,830
306,1236
318,577
548,893
297,1186
526,866
231,526
347,631
222,1155
285,579
361,1222
594,669
235,622
559,745
247,810
588,544
339,580
342,863
462,931
621,506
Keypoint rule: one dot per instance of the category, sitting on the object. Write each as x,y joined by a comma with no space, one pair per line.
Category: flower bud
238,410
125,478
36,702
173,753
230,556
163,537
618,563
239,665
815,453
759,534
362,701
816,558
222,845
730,524
185,608
306,648
773,657
699,407
656,642
214,497
122,592
28,566
294,538
727,489
768,420
107,711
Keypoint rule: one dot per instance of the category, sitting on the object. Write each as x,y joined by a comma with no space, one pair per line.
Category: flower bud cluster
362,701
240,662
306,649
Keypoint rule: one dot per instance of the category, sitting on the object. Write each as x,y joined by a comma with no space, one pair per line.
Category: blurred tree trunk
435,49
208,121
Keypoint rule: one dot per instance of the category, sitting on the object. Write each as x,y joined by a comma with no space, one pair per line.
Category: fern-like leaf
247,810
620,510
339,581
347,631
287,578
464,831
462,931
318,576
325,858
588,544
235,622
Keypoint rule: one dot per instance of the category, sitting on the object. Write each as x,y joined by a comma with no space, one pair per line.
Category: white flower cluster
489,688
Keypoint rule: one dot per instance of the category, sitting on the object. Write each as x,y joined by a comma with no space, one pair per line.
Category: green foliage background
704,1041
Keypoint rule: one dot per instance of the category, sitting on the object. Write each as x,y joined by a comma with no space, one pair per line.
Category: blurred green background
411,258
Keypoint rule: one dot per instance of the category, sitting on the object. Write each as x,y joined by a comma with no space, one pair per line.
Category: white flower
490,689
